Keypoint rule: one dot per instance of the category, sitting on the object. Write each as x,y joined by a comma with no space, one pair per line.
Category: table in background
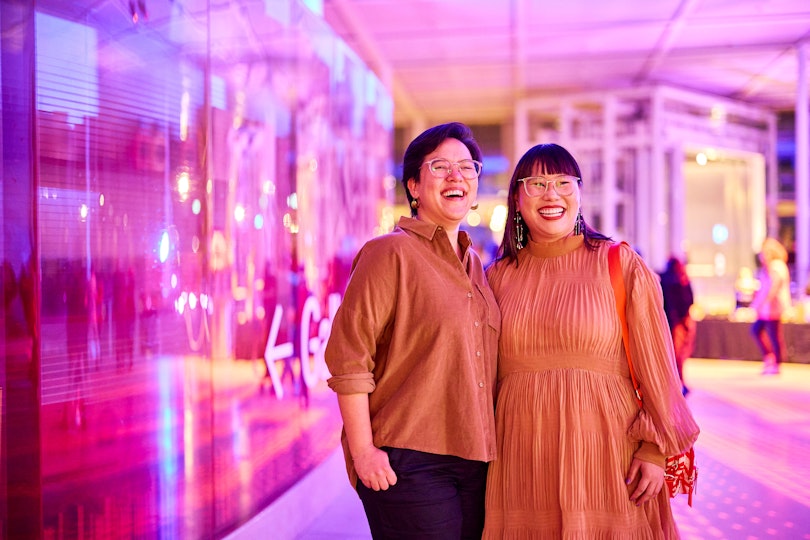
721,338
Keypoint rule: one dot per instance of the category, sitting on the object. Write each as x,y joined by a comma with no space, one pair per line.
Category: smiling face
444,201
550,216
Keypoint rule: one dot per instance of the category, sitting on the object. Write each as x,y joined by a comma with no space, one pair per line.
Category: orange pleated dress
567,422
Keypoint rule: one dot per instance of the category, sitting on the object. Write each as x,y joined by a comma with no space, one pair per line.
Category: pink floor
176,448
126,467
753,455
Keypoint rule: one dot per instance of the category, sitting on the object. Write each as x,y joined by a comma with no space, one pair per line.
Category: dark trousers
435,497
775,343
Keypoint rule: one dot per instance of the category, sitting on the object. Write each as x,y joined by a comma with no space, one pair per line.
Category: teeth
453,193
551,211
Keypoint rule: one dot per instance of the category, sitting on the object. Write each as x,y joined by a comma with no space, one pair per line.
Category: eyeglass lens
441,168
537,186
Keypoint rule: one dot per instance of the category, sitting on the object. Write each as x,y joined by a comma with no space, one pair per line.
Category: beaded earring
519,231
579,224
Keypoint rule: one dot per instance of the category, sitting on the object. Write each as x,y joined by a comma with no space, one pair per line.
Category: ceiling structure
470,60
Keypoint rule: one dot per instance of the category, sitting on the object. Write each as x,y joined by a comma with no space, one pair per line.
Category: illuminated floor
752,454
175,448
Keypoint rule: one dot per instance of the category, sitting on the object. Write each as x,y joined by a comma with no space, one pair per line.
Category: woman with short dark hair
412,354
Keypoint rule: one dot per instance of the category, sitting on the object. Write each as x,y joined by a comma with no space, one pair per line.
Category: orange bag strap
619,293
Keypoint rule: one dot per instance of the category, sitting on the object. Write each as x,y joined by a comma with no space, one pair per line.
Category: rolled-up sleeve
352,383
364,313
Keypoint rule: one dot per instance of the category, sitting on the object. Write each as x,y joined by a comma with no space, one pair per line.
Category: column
802,168
522,136
645,235
20,373
658,183
610,196
677,202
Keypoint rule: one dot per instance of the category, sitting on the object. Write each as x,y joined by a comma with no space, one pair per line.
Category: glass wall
178,229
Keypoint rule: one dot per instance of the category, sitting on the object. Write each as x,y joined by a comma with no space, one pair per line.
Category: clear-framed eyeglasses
537,186
442,168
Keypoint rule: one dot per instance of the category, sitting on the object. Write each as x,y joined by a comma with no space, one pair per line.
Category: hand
373,469
644,480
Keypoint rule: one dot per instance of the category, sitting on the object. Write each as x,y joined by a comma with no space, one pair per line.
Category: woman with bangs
577,457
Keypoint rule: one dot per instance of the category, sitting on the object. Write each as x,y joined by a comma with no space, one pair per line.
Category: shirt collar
428,230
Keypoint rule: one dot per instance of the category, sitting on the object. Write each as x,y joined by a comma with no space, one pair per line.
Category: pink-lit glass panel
202,188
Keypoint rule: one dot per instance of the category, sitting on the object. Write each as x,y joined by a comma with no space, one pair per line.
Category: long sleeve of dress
665,424
568,424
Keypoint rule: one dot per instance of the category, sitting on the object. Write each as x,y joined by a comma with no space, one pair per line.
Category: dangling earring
474,206
415,204
579,224
519,231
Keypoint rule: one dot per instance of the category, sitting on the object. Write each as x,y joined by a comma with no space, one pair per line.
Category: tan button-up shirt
418,331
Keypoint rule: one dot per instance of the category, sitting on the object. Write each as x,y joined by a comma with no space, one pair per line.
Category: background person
678,299
412,354
577,458
124,312
770,302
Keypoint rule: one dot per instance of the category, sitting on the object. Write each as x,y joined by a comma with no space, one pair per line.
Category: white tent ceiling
469,60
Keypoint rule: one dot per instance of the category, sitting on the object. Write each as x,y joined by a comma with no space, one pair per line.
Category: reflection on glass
196,224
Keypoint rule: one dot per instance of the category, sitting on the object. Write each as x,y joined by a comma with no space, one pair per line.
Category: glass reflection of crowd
77,308
289,289
123,315
17,321
101,312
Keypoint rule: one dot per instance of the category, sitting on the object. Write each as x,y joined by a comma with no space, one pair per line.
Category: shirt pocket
493,313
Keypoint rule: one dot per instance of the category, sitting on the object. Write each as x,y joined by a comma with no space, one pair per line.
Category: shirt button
480,385
477,353
469,295
477,324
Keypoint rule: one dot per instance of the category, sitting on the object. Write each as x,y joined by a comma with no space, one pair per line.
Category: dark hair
674,265
426,143
548,159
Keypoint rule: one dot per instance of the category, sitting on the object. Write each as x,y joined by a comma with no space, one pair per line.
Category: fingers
645,491
374,470
389,479
382,480
632,474
650,481
391,476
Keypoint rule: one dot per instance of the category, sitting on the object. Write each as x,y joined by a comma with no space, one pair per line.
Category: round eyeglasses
442,168
537,186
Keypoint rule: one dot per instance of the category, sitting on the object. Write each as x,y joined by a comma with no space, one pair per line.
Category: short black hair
427,142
